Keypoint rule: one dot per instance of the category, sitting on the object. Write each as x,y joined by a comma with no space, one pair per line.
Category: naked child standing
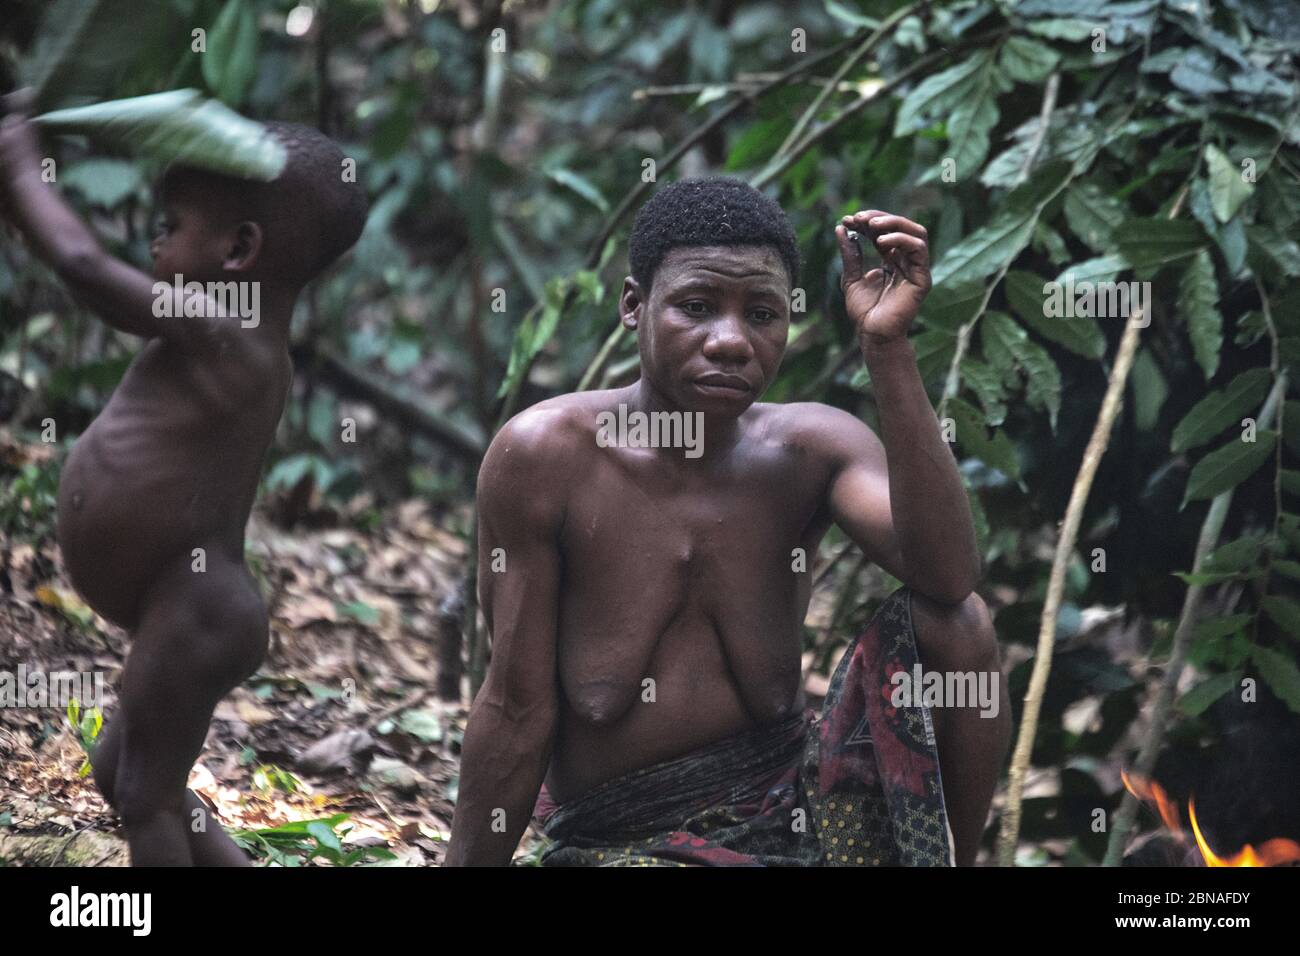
156,493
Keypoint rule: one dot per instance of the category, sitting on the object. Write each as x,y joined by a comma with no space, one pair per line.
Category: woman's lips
724,383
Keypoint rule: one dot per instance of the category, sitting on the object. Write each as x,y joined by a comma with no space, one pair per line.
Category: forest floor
340,719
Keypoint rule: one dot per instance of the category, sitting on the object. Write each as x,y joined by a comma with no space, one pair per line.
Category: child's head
713,263
286,231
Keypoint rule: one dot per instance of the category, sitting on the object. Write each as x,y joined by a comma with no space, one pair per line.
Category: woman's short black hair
708,211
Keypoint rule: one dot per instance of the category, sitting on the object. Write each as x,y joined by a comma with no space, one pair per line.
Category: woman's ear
246,248
630,304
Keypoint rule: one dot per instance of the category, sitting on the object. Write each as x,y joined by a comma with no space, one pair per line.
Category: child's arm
123,296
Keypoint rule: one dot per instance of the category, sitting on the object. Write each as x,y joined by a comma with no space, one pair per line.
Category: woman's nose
727,340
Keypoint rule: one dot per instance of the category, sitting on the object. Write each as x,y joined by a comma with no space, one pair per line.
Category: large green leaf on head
86,46
180,126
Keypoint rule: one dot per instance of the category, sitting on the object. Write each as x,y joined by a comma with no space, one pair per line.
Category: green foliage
85,727
230,62
1221,408
87,45
27,501
305,841
178,127
1228,466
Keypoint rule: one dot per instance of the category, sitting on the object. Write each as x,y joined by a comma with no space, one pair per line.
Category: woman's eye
695,307
763,315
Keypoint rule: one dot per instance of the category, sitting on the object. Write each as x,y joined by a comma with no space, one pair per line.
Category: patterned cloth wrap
858,786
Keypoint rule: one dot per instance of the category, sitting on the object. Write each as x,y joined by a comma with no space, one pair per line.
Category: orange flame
1275,852
1151,792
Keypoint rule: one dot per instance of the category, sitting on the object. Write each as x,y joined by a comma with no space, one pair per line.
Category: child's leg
209,844
971,746
199,635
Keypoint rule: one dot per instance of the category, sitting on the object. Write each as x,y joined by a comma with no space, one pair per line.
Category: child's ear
245,249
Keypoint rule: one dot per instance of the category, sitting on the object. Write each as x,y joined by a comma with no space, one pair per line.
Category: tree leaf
939,94
1200,697
1100,269
1214,628
105,182
1093,215
1063,28
997,452
1148,243
949,307
1284,612
1291,425
1215,577
984,251
1280,673
531,336
1196,73
230,63
971,121
1198,300
1288,569
178,127
1289,525
1238,555
583,187
1026,60
1228,466
934,351
986,383
1221,408
84,46
852,17
1001,336
1081,334
1228,190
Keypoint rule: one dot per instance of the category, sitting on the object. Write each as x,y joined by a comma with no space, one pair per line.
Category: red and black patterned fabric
858,785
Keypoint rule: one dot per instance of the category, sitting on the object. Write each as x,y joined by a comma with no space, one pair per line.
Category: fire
1276,852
